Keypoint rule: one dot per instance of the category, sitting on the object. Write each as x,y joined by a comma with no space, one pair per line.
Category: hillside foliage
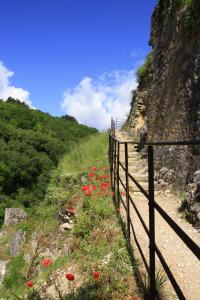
142,71
31,144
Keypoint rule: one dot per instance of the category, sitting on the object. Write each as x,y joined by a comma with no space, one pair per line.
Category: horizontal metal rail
139,216
139,248
114,150
181,234
170,143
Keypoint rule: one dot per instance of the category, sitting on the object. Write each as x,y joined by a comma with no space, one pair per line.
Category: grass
96,242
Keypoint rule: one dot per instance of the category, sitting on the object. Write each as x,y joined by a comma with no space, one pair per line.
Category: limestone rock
196,176
3,233
66,226
2,270
17,242
14,216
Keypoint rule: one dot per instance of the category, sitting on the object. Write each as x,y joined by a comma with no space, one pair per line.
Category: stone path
183,264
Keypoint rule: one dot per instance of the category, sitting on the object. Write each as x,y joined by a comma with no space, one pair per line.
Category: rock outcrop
17,242
166,105
14,216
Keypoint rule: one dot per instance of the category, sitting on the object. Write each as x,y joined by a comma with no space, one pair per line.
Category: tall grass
85,154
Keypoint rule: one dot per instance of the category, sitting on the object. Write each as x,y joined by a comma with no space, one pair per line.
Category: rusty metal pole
118,159
152,284
114,171
127,193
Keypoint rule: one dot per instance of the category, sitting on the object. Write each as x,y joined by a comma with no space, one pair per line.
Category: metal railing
115,163
116,124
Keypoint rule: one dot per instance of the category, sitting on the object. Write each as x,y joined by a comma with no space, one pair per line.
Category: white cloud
93,102
7,90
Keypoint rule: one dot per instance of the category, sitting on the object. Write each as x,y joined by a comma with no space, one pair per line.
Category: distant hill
31,144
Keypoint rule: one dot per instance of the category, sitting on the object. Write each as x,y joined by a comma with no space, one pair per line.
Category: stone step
131,153
138,177
134,188
133,169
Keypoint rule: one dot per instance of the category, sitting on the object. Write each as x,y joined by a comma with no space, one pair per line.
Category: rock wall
167,103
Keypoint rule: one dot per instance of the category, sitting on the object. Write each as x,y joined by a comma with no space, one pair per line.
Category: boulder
14,216
17,242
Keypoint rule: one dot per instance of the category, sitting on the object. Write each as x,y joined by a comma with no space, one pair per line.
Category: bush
142,72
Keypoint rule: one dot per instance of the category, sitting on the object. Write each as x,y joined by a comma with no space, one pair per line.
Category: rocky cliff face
166,106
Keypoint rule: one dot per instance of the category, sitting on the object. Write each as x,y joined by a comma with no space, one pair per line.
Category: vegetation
142,72
98,257
31,144
187,14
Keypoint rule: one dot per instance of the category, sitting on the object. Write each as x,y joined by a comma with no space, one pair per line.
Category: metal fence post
127,193
151,223
114,171
118,157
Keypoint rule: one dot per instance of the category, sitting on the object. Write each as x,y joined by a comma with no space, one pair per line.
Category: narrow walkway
183,264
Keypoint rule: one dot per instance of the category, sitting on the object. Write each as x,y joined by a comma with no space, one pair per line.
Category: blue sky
63,52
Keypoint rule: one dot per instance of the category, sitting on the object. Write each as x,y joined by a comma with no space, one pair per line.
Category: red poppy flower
100,177
107,185
93,168
93,187
29,283
107,176
88,193
96,275
70,276
91,174
46,262
85,188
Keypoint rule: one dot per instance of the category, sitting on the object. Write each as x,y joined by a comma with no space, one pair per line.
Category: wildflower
88,193
46,262
107,176
29,284
93,168
104,185
100,177
96,275
91,175
85,188
70,277
107,185
93,187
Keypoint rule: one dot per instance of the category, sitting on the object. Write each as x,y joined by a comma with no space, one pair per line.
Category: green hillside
31,144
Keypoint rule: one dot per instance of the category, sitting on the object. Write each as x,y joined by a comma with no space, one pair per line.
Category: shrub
142,72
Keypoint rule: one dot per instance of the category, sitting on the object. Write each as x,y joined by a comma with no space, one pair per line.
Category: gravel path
183,264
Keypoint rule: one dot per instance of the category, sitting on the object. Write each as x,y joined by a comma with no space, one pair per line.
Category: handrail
170,143
115,163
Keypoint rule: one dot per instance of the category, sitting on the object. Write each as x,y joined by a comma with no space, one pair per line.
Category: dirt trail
183,264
